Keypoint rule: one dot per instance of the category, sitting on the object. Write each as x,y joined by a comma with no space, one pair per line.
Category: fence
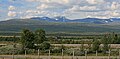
62,56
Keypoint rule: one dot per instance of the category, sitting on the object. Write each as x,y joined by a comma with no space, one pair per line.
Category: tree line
106,40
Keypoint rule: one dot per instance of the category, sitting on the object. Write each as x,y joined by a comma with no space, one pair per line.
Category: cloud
12,0
73,9
66,1
31,11
68,8
77,8
35,12
95,1
114,5
50,1
115,14
31,0
106,14
42,6
11,14
91,1
10,8
47,1
88,8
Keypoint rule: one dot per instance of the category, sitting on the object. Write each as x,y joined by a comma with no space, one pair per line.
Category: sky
72,9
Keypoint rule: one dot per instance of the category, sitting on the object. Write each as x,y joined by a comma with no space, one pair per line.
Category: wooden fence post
13,55
86,54
62,54
109,54
73,54
25,54
96,54
38,53
119,54
49,55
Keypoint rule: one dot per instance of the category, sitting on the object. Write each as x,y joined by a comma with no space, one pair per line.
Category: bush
76,52
9,50
28,51
69,51
44,46
56,50
79,53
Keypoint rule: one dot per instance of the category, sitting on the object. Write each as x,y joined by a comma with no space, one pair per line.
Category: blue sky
72,9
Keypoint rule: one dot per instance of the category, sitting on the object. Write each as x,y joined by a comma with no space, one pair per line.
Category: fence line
62,56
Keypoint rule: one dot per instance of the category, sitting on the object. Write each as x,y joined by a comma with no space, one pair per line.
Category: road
57,57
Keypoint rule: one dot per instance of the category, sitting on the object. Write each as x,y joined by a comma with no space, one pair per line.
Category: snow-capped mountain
84,20
55,19
62,24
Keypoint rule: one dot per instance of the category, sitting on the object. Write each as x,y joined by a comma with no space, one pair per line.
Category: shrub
56,50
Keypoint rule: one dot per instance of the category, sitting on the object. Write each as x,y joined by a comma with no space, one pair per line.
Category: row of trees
105,41
12,39
34,40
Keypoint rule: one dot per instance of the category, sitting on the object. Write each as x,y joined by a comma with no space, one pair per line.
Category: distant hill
62,25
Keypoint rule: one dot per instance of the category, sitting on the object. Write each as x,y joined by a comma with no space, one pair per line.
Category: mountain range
62,24
84,20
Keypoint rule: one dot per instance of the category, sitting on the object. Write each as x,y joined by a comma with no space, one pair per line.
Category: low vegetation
31,42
